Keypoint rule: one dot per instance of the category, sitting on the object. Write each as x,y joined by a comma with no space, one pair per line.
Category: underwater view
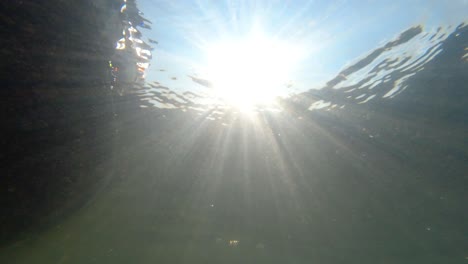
234,131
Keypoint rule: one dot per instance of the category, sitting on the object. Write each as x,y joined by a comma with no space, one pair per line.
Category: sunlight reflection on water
381,74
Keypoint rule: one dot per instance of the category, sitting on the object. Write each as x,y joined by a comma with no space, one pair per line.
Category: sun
250,71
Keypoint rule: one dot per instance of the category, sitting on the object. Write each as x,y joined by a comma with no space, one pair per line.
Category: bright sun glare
250,71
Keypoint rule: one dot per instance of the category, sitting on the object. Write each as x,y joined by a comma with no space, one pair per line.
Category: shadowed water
103,167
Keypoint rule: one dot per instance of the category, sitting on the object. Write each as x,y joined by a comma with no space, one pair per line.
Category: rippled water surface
234,132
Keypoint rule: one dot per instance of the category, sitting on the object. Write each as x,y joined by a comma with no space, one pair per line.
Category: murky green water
114,156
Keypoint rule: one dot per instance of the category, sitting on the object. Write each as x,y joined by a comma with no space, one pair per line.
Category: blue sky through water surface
332,32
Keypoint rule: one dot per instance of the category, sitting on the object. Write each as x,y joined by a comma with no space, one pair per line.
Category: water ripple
384,72
381,74
132,55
